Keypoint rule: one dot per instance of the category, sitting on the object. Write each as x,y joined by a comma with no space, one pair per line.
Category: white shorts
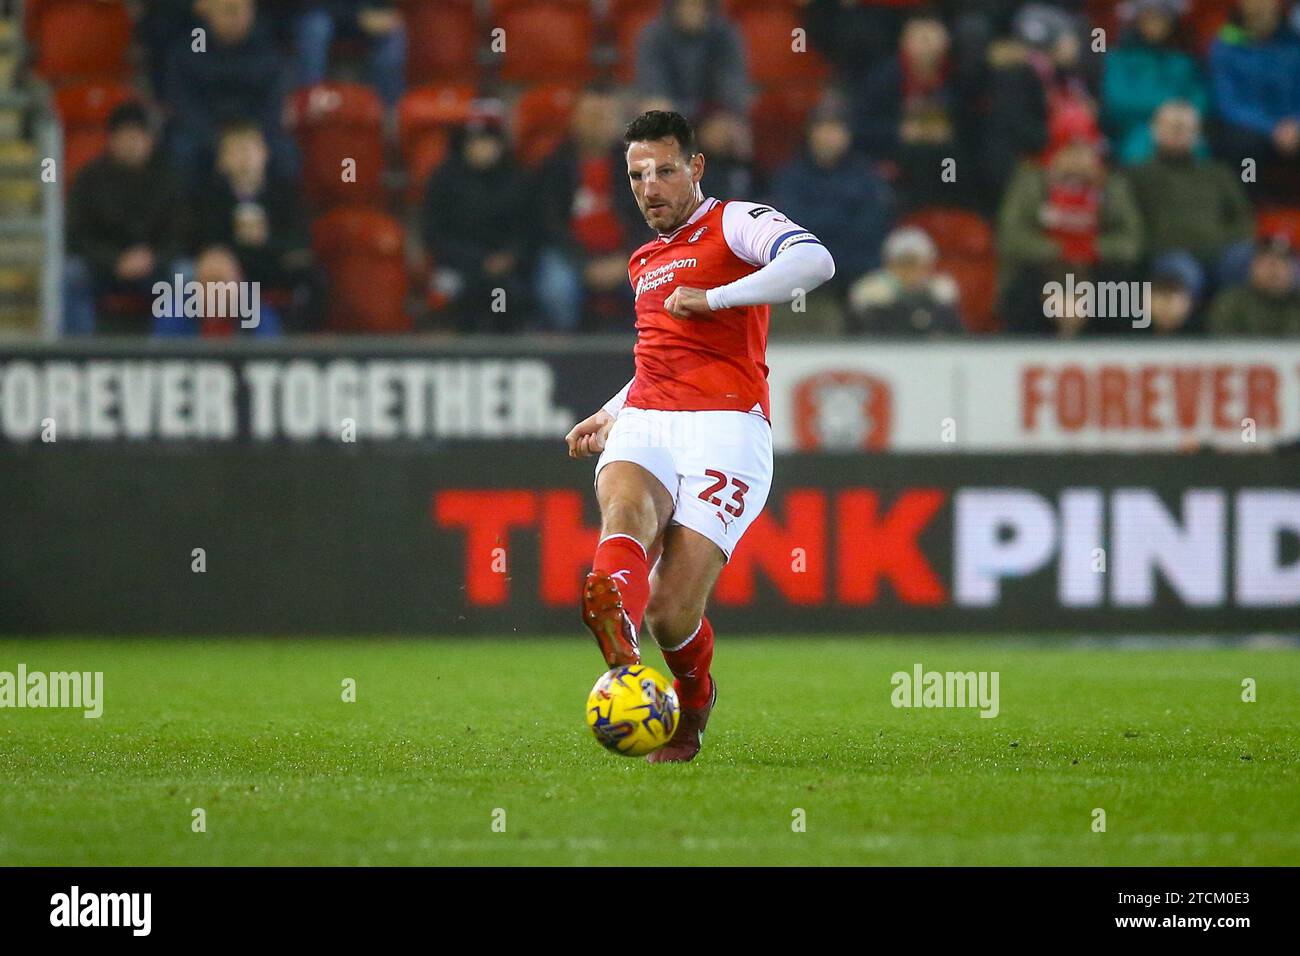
717,465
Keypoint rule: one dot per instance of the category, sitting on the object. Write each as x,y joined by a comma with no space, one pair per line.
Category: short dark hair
925,12
240,127
130,113
660,124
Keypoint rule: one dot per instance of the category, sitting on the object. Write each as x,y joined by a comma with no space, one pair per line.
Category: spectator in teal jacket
1149,67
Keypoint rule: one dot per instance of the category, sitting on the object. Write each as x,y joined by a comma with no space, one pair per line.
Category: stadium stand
770,63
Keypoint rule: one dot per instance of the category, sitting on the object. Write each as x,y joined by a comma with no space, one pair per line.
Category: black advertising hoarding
424,489
495,540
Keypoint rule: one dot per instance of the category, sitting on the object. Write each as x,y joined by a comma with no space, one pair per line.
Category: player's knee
670,623
629,514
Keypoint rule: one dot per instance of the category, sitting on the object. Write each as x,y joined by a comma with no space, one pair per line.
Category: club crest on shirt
697,233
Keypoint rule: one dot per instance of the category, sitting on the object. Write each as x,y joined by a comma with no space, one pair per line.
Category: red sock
689,663
622,557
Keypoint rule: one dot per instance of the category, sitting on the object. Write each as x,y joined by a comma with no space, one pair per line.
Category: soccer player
686,447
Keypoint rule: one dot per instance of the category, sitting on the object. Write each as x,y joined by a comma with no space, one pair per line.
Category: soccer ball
632,710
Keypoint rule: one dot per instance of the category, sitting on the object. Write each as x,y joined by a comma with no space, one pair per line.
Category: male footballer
686,447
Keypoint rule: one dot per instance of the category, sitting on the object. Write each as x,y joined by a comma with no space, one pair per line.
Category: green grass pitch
445,732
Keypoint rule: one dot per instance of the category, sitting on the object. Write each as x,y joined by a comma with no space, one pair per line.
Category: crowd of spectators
1140,155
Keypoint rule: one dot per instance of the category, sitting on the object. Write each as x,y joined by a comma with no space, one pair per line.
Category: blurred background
386,165
430,197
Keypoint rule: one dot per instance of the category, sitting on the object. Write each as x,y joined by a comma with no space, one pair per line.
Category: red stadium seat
1282,221
958,233
1105,14
425,119
978,281
733,7
545,40
769,37
1207,18
84,109
627,19
541,121
334,122
364,256
443,40
777,119
79,39
967,253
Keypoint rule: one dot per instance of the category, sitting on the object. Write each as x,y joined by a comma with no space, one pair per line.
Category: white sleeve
793,260
615,404
800,268
756,233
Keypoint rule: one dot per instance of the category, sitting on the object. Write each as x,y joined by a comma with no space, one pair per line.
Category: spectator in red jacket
589,222
912,114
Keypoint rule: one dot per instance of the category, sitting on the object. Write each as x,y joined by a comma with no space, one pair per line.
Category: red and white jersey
718,360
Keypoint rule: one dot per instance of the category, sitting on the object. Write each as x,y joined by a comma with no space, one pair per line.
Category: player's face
665,183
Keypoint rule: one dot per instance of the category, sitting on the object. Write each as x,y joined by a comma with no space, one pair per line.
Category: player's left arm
791,261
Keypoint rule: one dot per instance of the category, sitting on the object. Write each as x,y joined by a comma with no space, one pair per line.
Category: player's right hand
587,438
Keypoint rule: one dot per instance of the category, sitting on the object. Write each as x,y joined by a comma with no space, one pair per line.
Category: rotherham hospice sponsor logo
1098,300
74,908
74,689
923,688
661,275
210,300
